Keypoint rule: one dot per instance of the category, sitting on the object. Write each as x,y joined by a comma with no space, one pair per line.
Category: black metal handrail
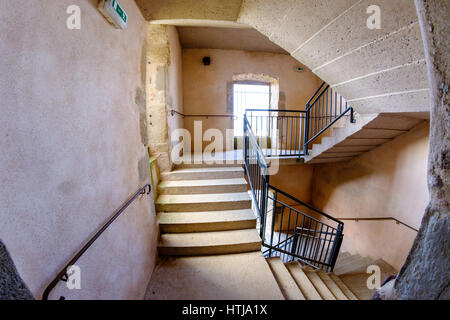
282,131
175,112
256,168
315,242
62,275
323,110
307,238
380,219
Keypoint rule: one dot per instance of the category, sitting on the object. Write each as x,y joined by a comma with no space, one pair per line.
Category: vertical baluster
322,107
321,245
274,214
326,109
328,237
335,103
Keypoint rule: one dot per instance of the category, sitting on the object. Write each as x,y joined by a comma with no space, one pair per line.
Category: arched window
252,91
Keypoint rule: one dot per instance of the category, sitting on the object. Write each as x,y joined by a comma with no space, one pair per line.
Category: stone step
218,164
303,282
357,283
176,222
332,285
318,283
353,139
284,279
355,264
346,290
203,186
209,243
241,276
204,173
203,202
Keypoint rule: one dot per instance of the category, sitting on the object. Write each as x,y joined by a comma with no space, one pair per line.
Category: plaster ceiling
227,10
226,38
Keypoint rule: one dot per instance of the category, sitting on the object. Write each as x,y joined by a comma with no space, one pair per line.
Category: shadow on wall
389,181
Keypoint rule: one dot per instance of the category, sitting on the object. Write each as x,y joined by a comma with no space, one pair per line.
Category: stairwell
209,247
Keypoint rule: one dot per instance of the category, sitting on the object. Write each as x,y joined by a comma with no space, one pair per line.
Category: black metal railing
288,133
288,226
62,275
257,171
279,132
295,230
323,110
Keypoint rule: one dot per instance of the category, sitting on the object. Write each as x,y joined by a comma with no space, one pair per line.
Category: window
248,96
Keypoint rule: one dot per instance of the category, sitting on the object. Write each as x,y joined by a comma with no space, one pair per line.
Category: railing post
352,116
264,202
294,243
335,249
274,216
306,134
245,140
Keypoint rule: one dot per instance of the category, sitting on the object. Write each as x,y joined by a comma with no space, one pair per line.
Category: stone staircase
347,282
347,140
205,210
209,247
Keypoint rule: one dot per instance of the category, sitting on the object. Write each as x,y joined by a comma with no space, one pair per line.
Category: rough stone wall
425,273
12,286
163,90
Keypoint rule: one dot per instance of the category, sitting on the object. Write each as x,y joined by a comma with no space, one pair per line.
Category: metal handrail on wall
62,275
380,219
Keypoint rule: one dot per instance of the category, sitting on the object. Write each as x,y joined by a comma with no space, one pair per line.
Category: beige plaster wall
73,146
390,181
205,87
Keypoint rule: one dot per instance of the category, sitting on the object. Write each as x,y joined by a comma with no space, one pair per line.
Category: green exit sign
114,13
120,11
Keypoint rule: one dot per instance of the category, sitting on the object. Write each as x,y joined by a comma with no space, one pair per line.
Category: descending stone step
204,173
303,282
219,277
206,221
203,202
332,285
318,283
353,264
346,290
357,282
208,243
284,279
342,256
203,186
218,164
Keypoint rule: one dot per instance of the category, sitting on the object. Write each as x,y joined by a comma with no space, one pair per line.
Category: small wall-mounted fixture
114,13
206,61
299,69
